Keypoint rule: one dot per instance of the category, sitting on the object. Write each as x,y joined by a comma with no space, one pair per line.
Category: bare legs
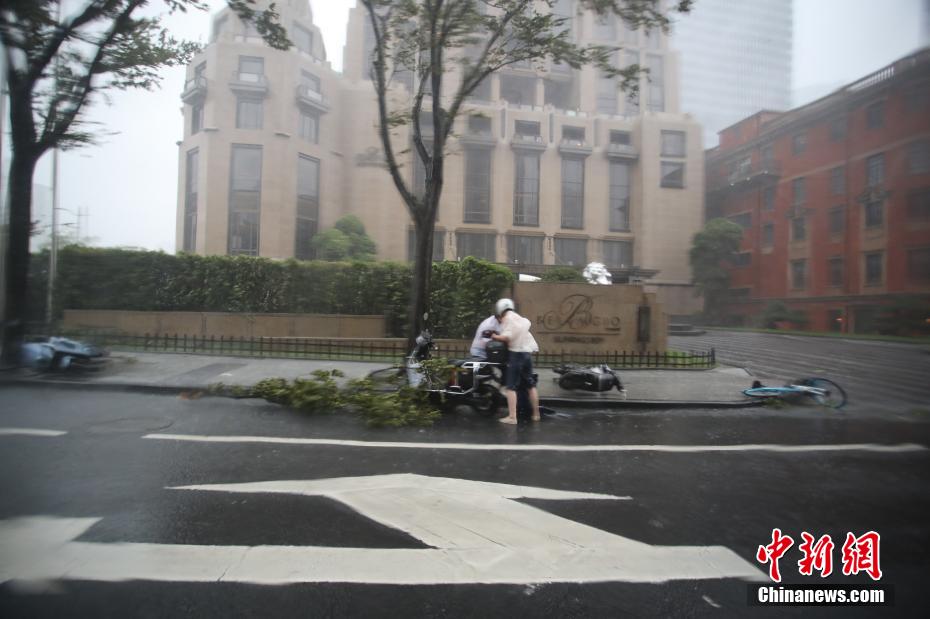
511,395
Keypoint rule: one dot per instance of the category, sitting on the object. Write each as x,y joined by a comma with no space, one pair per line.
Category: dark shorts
519,369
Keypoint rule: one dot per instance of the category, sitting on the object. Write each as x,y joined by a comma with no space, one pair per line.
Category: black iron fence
391,350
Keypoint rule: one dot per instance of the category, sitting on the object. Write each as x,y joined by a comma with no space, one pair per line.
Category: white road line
868,447
30,432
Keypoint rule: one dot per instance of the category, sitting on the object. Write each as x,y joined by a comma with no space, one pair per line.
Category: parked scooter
591,378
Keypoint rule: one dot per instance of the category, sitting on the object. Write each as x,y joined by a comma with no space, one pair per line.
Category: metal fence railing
387,350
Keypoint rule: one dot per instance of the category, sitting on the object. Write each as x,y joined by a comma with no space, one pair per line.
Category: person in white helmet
515,331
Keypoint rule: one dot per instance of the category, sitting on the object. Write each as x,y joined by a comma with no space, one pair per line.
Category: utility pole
53,251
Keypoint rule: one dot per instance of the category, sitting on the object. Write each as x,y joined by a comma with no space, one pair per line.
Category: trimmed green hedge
91,278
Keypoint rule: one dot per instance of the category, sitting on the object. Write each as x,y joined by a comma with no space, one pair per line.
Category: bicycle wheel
833,397
765,393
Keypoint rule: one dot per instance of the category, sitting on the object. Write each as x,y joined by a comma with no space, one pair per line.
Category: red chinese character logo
817,556
773,552
860,554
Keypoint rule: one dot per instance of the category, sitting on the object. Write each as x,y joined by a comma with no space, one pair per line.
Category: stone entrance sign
589,318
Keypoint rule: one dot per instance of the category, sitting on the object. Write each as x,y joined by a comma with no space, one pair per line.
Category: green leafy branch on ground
401,406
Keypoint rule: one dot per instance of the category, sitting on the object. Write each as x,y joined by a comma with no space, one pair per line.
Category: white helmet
502,306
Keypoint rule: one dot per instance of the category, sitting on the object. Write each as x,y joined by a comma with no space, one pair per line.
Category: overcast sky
128,184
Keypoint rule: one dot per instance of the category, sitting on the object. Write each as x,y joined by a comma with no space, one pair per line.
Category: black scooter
591,378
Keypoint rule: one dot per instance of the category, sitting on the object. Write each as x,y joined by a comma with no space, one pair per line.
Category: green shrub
319,394
122,279
563,274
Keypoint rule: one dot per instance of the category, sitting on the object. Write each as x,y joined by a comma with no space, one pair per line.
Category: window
799,143
479,125
251,69
619,199
482,91
917,97
248,113
875,115
743,259
245,180
562,10
673,174
526,190
477,185
768,198
196,118
527,129
838,180
439,247
673,143
620,137
631,57
918,157
798,228
873,268
835,271
798,274
368,49
190,201
798,191
875,170
523,249
573,135
479,245
310,81
605,27
767,155
618,254
571,252
918,264
837,220
656,101
838,129
743,220
303,39
918,205
572,192
309,127
874,214
308,205
607,95
768,235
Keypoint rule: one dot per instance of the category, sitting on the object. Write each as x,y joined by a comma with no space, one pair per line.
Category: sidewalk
171,372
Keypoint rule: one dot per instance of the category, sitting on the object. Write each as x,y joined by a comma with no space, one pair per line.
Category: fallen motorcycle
473,382
588,378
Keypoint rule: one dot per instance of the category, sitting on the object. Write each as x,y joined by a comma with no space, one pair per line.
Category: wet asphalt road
103,468
877,376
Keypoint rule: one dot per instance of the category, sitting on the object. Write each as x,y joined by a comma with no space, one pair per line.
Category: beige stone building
549,165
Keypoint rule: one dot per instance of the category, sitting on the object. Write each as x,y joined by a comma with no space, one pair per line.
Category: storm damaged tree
59,58
449,48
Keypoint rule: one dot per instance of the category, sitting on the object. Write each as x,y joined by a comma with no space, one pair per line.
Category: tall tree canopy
451,46
712,248
59,57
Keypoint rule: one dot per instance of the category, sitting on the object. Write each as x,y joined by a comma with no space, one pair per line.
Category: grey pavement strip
868,447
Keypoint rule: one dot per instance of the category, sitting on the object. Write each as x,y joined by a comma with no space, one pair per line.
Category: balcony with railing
574,146
527,141
307,96
251,83
195,90
616,150
748,175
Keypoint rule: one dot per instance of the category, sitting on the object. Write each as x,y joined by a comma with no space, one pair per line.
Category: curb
586,403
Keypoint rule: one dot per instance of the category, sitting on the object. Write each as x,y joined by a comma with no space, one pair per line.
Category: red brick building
834,200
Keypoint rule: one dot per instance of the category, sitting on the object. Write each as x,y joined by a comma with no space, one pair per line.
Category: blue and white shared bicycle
820,391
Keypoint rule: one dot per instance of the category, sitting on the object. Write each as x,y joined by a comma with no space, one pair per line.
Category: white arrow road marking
868,447
30,432
479,534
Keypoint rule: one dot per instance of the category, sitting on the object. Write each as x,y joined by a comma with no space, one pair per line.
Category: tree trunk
422,272
22,168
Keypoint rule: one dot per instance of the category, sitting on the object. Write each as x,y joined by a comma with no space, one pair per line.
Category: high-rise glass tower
735,60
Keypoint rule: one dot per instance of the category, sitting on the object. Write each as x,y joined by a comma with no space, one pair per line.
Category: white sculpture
597,273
